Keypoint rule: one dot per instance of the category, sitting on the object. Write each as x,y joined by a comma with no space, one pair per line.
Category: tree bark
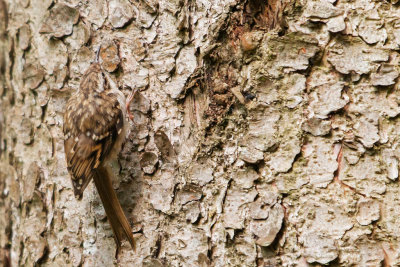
265,133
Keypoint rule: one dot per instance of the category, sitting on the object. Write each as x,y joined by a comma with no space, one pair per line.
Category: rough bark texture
265,133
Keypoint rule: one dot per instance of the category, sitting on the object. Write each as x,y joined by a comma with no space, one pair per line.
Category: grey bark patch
33,75
386,75
235,207
349,54
266,230
148,162
24,36
372,31
60,21
120,12
79,37
321,9
188,194
250,155
95,12
298,51
201,174
321,161
317,127
31,180
325,93
161,193
366,177
368,211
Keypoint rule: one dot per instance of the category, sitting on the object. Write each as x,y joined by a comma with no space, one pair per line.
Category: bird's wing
91,127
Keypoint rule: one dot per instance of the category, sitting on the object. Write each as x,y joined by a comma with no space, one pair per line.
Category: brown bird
94,130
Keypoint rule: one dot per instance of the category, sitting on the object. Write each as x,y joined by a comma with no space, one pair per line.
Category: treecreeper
94,129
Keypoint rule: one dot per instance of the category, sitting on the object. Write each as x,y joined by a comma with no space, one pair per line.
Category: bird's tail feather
115,214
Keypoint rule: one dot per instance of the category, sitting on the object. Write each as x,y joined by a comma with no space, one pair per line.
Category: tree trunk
265,133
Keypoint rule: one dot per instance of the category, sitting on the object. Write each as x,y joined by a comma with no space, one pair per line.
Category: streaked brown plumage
94,129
